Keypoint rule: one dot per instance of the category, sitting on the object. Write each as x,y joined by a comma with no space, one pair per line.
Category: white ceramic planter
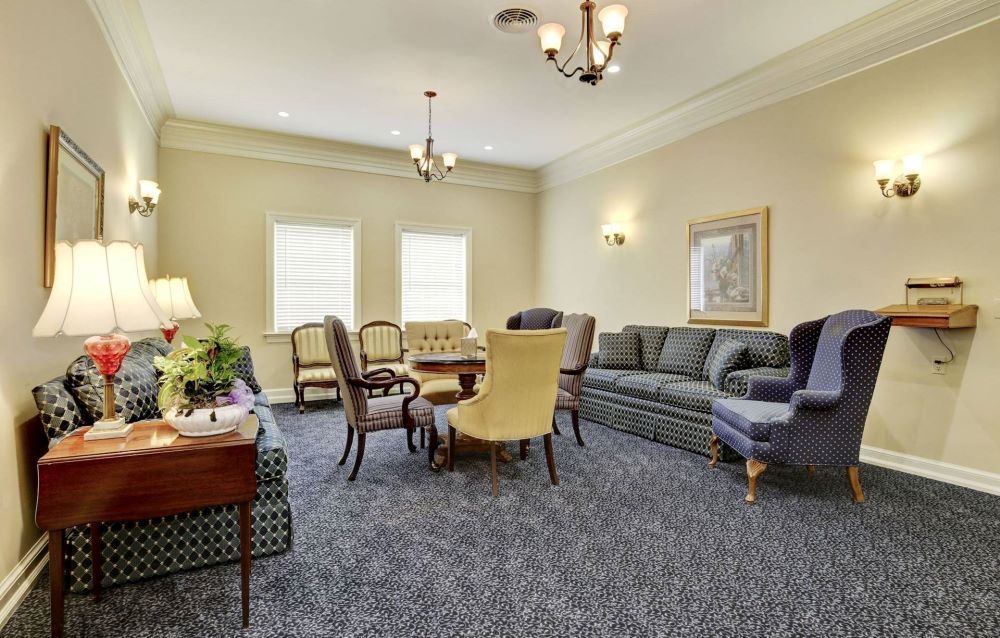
200,423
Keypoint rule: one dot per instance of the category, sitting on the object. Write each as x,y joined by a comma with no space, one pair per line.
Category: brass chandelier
423,155
597,53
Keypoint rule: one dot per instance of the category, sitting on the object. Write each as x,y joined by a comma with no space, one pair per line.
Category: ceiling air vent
515,20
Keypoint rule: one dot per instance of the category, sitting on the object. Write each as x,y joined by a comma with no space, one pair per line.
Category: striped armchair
311,366
575,359
382,346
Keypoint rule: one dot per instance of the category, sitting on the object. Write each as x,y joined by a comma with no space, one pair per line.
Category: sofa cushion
244,370
692,395
135,387
58,410
727,356
764,348
752,418
685,350
619,351
604,379
647,385
651,340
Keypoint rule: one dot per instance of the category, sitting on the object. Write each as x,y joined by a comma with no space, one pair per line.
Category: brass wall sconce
613,234
149,191
903,185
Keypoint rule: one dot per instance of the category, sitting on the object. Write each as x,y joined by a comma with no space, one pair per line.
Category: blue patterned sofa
143,549
659,383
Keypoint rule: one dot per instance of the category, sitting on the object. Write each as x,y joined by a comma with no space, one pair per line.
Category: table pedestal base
467,444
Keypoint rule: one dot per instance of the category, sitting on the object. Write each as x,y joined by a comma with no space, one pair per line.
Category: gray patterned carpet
639,540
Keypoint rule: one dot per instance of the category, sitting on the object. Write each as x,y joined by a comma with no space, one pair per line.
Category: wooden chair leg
347,446
754,469
360,455
338,393
451,448
575,416
409,440
524,449
713,446
550,459
421,438
852,476
810,470
299,403
555,426
493,469
432,448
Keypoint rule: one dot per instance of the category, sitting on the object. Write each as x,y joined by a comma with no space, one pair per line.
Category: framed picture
74,199
727,268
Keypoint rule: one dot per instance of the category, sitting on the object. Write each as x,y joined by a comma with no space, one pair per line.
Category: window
313,271
433,273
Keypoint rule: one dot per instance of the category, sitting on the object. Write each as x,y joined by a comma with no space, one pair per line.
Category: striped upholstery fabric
566,400
381,341
310,344
579,342
386,413
339,345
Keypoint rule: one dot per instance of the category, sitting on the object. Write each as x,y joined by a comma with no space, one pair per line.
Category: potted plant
200,394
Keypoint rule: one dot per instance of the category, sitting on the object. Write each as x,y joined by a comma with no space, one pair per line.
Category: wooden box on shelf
932,316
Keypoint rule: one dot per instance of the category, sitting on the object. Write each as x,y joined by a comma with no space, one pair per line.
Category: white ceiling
353,71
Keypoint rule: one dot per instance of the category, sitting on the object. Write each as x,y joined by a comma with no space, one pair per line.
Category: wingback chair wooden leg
555,426
550,459
493,470
852,476
713,447
409,440
360,455
575,415
754,469
347,446
524,449
451,448
432,448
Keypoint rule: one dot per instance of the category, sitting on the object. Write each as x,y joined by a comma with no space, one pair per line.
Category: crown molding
124,28
895,30
279,147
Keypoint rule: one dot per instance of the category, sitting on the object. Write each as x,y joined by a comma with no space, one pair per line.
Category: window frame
463,231
271,219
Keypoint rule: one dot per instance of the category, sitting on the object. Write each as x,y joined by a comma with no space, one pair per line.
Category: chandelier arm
562,70
607,60
579,43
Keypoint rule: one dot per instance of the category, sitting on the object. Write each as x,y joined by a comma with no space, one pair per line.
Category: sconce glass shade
149,189
884,169
416,151
427,164
612,19
449,159
912,164
601,50
550,36
174,297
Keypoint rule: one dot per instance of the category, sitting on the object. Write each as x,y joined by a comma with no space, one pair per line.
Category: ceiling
354,71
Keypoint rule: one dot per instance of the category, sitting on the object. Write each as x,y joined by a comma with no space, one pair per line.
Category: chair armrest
382,384
363,356
814,400
377,371
580,369
738,381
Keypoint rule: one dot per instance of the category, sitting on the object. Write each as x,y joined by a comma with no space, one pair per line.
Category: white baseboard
287,395
938,470
16,585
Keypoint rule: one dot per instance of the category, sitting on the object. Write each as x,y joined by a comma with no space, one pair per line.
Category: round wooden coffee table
467,369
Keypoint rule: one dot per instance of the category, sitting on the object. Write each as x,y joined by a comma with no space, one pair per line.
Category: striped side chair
382,346
311,366
364,414
575,359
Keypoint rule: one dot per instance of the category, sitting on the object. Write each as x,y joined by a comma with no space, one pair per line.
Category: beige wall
212,230
836,243
57,69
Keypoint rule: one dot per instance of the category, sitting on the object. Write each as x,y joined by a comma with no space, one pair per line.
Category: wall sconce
903,185
613,234
149,191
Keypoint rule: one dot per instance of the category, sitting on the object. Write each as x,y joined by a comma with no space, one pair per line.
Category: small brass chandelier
423,155
597,53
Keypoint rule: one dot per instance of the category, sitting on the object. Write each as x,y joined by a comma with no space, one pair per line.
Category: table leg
56,568
246,551
467,382
97,573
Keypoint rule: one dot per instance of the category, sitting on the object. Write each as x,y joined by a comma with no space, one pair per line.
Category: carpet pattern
640,539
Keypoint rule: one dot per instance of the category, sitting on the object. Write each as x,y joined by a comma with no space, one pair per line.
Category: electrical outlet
938,367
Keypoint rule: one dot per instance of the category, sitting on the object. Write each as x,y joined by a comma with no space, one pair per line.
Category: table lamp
174,297
101,288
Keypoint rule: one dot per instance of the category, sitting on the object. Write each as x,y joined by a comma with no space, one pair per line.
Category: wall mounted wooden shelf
931,316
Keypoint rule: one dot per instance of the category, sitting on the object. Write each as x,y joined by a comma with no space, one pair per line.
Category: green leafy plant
197,375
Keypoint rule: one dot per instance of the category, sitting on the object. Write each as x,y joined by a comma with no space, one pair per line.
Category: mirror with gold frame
74,200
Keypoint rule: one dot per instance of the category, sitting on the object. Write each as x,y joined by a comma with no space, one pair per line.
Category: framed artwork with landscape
727,268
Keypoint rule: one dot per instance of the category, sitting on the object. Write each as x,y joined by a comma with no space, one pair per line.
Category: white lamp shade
449,159
612,19
601,50
912,164
174,297
416,151
884,169
149,189
611,229
550,35
427,164
99,288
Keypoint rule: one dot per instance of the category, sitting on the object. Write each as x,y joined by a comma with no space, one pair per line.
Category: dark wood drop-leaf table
153,472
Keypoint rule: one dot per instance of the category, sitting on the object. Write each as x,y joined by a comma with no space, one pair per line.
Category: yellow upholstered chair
311,364
518,396
382,347
425,337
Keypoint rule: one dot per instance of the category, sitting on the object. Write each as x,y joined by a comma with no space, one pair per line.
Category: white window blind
433,278
313,272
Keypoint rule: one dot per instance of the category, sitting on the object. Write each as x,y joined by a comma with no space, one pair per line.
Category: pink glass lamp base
171,332
107,352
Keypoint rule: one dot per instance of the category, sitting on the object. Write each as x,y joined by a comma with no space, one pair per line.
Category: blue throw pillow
727,357
619,351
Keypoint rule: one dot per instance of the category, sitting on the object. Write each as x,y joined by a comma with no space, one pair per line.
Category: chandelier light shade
597,54
423,155
174,297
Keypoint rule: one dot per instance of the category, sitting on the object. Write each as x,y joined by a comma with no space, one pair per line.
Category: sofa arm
738,381
593,360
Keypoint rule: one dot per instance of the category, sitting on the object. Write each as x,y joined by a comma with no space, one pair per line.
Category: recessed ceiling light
282,113
394,132
614,68
487,148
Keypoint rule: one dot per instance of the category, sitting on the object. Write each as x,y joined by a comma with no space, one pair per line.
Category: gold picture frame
74,198
727,268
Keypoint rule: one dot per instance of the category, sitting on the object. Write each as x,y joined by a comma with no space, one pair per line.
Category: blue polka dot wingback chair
535,319
815,415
